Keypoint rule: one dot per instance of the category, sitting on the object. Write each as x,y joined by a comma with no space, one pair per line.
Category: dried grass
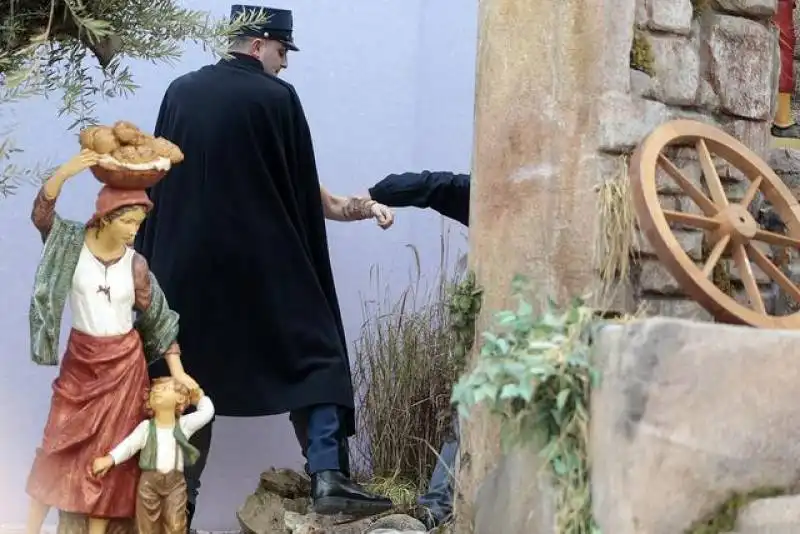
404,371
617,235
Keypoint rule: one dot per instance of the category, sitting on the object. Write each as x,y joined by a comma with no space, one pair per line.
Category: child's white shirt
165,438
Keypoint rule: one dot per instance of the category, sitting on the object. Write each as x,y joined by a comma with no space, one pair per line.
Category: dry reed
404,371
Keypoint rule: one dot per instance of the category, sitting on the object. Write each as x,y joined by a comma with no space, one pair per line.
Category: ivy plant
534,373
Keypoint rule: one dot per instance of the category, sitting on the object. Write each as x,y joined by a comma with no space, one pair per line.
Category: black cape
237,240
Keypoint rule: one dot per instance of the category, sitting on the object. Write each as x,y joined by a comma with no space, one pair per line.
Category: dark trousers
319,432
439,498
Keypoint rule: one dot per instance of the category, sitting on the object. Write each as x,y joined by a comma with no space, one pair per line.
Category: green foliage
533,372
642,53
699,7
464,306
77,48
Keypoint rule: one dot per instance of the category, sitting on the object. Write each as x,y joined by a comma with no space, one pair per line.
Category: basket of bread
129,157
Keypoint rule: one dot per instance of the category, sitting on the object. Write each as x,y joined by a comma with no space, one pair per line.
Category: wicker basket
122,178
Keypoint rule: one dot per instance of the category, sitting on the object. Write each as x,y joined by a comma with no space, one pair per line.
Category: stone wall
716,63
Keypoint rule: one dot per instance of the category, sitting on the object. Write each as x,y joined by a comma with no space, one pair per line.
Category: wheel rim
728,226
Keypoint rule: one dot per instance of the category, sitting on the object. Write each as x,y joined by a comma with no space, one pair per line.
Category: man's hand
383,215
100,466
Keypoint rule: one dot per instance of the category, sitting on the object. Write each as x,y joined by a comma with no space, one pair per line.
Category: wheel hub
736,222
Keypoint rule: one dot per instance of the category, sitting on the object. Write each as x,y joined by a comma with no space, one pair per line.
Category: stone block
733,271
688,413
786,164
678,308
620,16
624,120
691,242
753,134
654,278
673,16
740,64
689,168
707,98
676,66
751,8
640,14
774,513
641,84
516,497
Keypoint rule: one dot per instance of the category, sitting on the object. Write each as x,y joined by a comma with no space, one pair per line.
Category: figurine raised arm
163,446
97,396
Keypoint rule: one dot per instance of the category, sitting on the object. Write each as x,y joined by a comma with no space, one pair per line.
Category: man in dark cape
238,243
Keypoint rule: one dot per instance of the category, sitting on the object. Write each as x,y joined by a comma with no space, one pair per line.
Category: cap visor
290,46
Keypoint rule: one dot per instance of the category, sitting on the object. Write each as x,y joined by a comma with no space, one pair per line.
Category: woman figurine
163,445
98,393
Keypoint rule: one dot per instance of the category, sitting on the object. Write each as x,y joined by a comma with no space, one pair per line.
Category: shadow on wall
370,99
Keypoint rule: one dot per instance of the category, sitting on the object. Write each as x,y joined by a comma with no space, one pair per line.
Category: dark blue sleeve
445,192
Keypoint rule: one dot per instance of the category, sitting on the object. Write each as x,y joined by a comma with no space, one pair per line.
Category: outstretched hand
383,215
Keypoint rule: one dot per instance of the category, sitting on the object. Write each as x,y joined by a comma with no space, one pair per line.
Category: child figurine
163,446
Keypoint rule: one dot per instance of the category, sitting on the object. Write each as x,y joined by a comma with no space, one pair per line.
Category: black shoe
786,132
333,493
189,516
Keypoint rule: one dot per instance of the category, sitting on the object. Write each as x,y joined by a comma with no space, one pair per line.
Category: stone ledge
686,414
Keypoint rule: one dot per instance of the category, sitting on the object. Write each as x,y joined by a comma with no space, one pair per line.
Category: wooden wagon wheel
729,226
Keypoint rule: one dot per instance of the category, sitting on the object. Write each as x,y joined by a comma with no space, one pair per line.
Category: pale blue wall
387,86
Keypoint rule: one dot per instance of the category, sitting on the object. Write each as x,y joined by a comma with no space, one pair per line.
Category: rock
397,524
516,497
262,513
690,241
285,483
641,84
688,413
624,121
617,45
673,16
752,8
786,164
753,134
740,58
773,513
641,17
325,524
676,66
655,278
678,308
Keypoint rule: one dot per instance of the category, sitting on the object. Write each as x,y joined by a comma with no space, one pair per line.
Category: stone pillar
540,77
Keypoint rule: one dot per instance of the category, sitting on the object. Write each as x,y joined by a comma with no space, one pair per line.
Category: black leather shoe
333,493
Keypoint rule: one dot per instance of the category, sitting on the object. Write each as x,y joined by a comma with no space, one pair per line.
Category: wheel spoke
774,272
699,198
710,172
777,240
751,192
748,279
690,219
715,255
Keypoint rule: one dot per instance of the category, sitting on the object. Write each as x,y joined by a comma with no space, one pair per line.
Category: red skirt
97,401
784,20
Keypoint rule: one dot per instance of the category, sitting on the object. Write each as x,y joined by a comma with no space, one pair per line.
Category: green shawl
158,325
147,456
